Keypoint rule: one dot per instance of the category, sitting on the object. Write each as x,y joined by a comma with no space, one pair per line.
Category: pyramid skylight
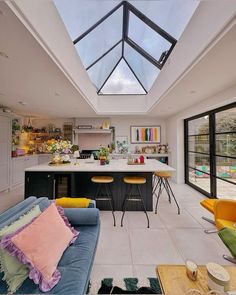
124,47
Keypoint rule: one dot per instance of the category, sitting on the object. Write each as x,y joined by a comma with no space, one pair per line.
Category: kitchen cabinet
5,138
19,164
40,184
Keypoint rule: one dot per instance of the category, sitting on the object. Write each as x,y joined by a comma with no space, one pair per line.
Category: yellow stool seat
163,174
134,180
209,204
102,179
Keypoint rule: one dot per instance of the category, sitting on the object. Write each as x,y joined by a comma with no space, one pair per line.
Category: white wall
121,123
59,122
175,127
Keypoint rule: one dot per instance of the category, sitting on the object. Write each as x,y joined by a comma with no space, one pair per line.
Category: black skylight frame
127,8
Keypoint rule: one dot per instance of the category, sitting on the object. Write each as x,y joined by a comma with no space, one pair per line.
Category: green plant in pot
103,155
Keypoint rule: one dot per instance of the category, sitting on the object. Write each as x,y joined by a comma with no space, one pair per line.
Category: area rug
125,286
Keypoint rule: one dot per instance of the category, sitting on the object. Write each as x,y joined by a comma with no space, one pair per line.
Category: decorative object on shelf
67,131
191,270
103,155
105,125
162,149
122,146
218,277
149,149
145,134
85,127
76,155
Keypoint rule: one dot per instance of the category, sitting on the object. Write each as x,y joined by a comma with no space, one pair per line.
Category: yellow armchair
225,214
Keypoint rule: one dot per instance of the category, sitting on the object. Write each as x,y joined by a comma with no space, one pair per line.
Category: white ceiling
215,72
30,75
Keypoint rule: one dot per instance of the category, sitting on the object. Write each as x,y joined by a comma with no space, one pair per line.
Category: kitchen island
75,180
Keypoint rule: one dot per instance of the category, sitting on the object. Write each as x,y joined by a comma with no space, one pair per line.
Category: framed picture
121,140
145,134
121,144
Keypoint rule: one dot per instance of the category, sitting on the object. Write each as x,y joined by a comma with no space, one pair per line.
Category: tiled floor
135,250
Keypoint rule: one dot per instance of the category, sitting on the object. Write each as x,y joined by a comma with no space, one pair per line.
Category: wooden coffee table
174,281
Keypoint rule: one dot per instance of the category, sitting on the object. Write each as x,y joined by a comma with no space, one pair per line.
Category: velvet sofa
76,263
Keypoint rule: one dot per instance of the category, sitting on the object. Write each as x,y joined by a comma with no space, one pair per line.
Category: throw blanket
228,236
73,202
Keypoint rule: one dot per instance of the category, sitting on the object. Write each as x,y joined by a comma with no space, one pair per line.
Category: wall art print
145,134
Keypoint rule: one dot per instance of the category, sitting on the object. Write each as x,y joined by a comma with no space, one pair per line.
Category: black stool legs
164,184
107,197
136,198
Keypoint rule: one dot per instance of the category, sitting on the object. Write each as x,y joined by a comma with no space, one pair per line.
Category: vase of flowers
58,147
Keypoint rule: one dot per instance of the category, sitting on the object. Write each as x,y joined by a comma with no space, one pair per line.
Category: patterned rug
125,286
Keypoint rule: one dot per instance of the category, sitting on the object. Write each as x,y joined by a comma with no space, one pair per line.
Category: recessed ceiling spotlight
23,103
57,94
192,91
3,54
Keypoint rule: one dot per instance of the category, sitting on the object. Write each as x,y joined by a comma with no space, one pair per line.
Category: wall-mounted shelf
92,130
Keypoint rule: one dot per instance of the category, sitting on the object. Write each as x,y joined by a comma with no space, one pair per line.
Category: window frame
212,150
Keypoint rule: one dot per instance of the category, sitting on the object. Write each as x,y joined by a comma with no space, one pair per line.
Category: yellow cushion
163,174
209,204
72,202
102,179
221,223
134,180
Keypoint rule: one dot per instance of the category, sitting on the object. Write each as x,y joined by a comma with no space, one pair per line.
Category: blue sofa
76,263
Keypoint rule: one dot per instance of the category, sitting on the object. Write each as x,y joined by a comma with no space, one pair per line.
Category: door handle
54,189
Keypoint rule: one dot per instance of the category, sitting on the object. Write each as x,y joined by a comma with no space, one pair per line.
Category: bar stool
103,192
162,182
132,182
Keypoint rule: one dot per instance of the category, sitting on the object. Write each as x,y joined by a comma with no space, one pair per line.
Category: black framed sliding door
210,152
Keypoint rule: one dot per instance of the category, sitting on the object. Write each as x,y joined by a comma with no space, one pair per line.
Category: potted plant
103,155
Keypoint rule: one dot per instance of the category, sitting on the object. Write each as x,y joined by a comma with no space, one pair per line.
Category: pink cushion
41,244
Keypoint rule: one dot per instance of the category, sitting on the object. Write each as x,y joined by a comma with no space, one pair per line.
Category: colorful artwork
145,134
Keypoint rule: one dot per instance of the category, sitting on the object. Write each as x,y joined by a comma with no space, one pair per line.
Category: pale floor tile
139,220
144,271
108,222
184,220
194,244
153,246
113,246
111,271
198,212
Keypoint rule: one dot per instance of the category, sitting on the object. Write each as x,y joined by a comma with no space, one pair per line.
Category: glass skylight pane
101,39
147,38
122,81
79,15
101,70
144,70
171,16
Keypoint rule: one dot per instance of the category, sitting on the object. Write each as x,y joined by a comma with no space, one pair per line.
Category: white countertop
151,165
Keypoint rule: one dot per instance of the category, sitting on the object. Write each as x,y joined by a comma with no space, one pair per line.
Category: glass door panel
210,142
